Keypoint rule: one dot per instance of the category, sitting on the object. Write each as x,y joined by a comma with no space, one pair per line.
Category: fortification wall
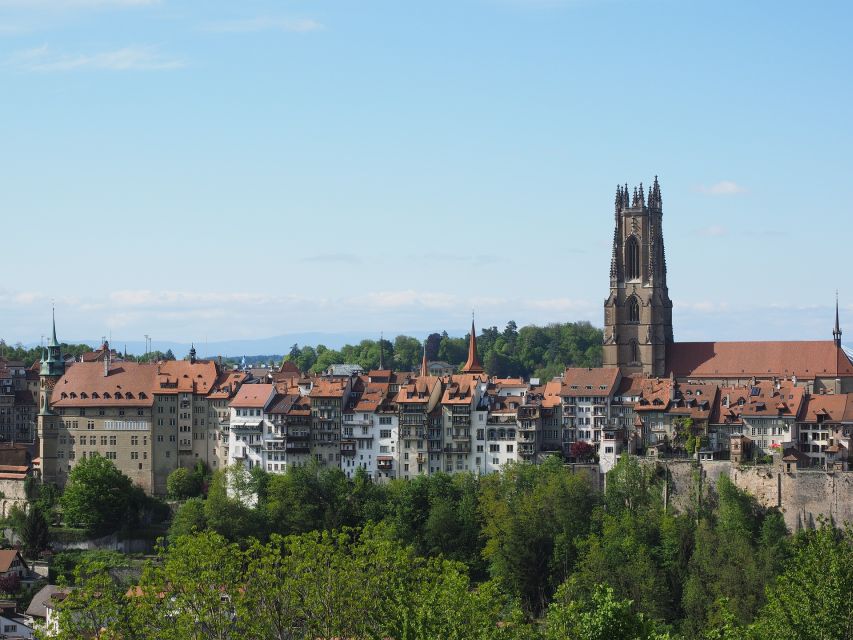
802,496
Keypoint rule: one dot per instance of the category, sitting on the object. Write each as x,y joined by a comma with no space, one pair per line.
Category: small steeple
472,365
192,353
424,363
836,332
53,341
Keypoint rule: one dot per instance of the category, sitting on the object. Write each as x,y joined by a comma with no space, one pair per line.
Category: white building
249,425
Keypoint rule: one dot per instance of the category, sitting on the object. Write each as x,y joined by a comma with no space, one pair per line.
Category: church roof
807,359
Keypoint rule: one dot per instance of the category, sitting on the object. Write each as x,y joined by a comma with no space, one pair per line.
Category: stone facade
638,311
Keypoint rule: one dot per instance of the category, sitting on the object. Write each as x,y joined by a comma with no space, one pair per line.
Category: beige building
148,418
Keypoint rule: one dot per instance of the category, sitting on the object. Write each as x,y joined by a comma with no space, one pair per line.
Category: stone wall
802,497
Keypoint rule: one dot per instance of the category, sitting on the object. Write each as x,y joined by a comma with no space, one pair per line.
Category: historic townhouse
288,441
17,404
824,430
224,389
251,428
417,399
586,398
329,396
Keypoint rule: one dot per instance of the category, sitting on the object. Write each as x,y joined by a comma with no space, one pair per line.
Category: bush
183,483
10,583
98,497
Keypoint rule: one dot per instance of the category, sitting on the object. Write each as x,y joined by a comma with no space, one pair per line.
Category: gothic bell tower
638,312
50,371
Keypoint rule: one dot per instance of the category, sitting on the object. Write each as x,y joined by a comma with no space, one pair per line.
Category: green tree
35,533
811,599
532,517
97,496
602,617
188,519
100,606
183,483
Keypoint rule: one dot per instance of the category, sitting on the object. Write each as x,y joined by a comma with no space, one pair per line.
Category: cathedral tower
638,312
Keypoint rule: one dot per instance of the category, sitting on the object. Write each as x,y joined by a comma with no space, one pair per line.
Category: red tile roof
254,396
588,381
806,359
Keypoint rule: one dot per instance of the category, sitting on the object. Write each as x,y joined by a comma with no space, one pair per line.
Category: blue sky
234,169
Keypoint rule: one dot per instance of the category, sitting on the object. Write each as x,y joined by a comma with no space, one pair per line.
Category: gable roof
254,396
806,359
7,557
589,381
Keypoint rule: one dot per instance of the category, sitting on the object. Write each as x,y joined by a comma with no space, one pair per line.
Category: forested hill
535,351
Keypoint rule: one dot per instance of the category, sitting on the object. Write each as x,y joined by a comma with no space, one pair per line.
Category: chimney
107,361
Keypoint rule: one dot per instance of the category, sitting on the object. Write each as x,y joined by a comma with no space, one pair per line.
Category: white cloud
252,25
722,188
713,231
43,59
560,304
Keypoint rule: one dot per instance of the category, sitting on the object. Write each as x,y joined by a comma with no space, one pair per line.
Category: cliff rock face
802,497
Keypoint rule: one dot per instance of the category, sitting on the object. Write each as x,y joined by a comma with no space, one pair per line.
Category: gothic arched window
635,351
632,259
633,310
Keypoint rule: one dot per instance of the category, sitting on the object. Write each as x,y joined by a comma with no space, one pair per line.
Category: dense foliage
99,498
534,552
530,351
29,355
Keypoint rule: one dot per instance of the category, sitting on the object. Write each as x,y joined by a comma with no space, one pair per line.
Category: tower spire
424,363
381,354
53,341
472,365
836,332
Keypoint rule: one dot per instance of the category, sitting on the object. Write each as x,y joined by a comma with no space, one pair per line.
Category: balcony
298,447
461,435
460,447
347,448
384,463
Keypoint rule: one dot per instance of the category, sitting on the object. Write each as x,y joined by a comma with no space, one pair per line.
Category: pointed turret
836,332
52,363
53,341
424,363
192,353
472,365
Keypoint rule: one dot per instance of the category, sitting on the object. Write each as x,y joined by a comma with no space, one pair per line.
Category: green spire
52,363
53,341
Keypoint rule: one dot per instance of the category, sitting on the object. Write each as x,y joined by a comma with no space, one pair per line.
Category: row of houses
151,418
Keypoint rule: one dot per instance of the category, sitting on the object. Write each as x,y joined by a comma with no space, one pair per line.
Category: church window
635,351
632,258
633,310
